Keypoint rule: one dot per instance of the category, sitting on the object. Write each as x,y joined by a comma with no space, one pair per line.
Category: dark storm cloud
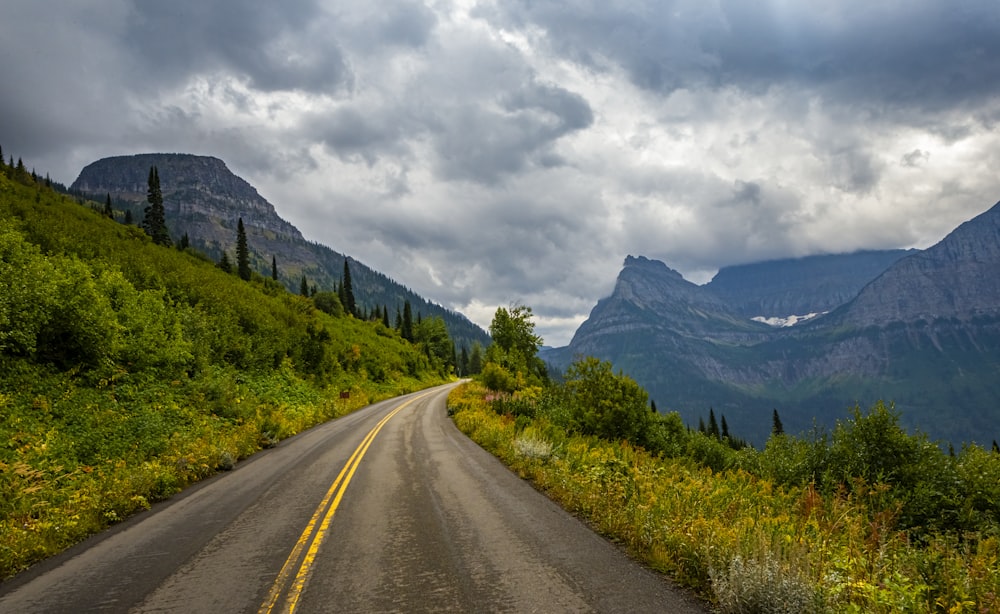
486,143
275,45
926,53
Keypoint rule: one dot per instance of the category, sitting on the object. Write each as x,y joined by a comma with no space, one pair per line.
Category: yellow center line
325,510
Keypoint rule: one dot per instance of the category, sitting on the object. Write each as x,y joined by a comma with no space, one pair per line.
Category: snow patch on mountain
786,321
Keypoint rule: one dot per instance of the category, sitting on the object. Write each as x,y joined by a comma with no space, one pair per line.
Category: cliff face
204,199
959,279
925,333
198,191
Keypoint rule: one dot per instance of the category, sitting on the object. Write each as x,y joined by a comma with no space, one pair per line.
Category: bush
601,403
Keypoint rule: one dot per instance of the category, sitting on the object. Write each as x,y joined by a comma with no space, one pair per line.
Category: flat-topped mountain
204,199
800,286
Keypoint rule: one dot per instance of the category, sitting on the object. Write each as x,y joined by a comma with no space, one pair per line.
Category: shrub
604,404
761,587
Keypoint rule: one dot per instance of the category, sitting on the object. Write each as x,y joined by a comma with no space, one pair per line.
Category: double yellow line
326,510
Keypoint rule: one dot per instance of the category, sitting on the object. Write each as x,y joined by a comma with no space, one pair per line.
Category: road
388,509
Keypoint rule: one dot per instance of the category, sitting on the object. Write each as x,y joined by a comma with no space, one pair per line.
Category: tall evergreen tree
407,330
274,268
155,221
476,359
128,217
996,448
304,287
463,362
385,316
184,243
776,427
725,428
242,252
349,304
713,425
108,210
225,264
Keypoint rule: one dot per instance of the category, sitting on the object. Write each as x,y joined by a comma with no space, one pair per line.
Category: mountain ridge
204,199
925,333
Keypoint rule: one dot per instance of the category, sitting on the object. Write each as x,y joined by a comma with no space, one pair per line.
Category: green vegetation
129,370
866,518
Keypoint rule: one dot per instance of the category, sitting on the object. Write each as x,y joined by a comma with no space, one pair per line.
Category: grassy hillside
129,370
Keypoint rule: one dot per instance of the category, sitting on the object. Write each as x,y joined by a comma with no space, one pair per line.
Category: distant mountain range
919,328
204,199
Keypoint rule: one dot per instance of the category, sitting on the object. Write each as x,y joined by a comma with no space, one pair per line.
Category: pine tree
996,448
225,264
128,217
463,362
242,252
385,316
184,243
304,287
701,426
108,210
155,222
725,428
407,329
476,359
274,268
713,426
349,305
652,406
776,427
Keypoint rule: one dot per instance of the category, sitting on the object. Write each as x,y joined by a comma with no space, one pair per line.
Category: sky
485,153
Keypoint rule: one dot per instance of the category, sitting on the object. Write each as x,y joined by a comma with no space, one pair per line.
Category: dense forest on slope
129,369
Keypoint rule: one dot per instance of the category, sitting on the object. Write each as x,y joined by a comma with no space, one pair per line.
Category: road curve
388,509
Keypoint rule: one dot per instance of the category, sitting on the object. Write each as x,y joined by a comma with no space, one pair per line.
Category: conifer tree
701,426
304,287
108,210
463,362
184,243
713,426
225,264
652,406
776,427
385,316
996,448
407,329
725,428
128,217
155,222
274,268
242,252
348,299
476,359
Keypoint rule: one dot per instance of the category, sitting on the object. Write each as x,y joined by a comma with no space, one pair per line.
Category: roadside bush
601,403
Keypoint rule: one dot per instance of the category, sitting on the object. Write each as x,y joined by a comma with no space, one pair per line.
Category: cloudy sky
485,152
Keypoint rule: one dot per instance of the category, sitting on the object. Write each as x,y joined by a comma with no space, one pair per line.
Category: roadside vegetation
865,518
130,368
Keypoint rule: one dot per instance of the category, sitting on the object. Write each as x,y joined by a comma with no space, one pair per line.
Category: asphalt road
389,509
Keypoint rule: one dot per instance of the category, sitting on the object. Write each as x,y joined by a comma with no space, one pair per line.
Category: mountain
800,286
925,334
204,199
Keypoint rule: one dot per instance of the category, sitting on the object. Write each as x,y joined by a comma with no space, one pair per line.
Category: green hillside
129,370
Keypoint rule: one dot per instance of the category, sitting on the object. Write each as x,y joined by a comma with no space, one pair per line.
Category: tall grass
743,541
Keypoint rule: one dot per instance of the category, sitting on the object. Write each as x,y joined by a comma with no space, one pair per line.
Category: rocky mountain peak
197,190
